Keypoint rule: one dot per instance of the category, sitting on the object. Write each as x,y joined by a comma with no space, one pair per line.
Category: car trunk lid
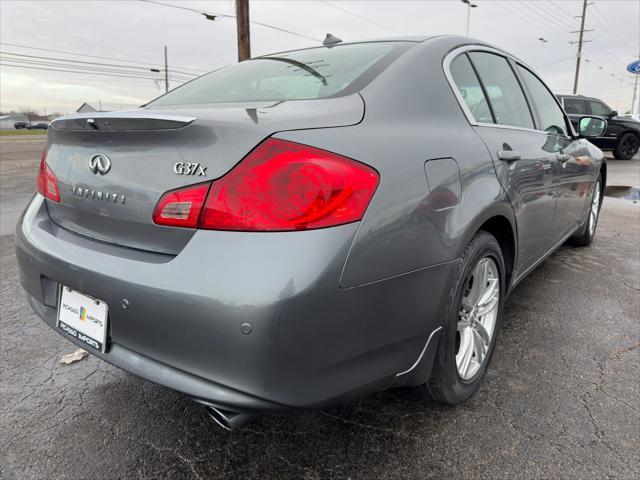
112,168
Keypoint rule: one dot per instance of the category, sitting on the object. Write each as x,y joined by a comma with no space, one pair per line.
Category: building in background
85,107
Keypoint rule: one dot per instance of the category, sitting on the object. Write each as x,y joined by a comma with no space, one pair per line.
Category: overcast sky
133,30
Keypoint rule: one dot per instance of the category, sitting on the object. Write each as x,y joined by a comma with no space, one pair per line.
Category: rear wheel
472,323
587,232
627,147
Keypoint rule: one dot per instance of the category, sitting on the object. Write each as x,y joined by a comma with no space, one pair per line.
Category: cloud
138,31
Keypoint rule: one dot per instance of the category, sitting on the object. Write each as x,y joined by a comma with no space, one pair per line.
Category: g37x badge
186,168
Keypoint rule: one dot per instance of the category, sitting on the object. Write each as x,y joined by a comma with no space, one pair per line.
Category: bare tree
28,112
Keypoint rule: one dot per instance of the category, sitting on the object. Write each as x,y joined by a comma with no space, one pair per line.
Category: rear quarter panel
412,117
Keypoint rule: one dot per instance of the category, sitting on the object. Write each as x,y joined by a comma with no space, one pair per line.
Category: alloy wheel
477,319
595,209
629,145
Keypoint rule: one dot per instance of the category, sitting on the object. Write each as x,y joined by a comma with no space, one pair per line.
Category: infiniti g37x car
311,226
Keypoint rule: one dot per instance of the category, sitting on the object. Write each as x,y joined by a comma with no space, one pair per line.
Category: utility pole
580,42
166,71
242,24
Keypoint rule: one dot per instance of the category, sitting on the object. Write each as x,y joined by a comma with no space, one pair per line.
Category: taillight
283,186
182,207
47,181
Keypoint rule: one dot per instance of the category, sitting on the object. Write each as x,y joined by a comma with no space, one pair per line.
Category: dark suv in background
622,134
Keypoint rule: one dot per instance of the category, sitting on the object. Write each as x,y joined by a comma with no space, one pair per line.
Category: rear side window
575,106
551,116
505,95
598,108
298,75
470,89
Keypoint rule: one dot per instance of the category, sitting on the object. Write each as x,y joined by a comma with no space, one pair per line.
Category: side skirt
522,275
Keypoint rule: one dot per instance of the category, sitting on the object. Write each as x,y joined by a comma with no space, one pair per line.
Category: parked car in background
304,228
20,125
622,135
38,126
633,116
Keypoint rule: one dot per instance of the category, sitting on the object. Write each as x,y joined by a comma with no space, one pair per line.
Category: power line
90,63
90,69
200,72
529,20
544,17
266,25
362,18
558,7
602,21
607,27
190,9
81,72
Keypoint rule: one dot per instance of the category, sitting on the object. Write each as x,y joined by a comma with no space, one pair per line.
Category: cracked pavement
560,400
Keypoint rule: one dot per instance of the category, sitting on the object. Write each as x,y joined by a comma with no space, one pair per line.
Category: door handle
509,155
563,157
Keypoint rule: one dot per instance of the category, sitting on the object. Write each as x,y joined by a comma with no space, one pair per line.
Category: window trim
485,94
446,66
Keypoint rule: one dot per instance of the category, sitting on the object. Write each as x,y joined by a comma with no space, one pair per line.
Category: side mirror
590,127
614,113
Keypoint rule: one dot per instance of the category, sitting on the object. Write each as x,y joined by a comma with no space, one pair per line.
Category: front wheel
472,322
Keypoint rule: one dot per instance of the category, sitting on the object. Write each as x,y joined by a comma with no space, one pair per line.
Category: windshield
298,75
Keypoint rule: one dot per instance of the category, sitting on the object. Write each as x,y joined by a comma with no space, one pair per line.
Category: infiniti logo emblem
100,164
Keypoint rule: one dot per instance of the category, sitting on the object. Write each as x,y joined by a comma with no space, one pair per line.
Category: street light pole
469,7
598,80
542,42
634,107
166,71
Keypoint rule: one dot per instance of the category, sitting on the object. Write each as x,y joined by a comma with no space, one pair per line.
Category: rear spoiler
121,121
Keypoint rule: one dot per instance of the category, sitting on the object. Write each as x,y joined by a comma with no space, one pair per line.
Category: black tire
627,147
445,384
585,234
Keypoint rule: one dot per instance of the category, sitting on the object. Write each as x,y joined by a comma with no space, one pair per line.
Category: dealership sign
634,67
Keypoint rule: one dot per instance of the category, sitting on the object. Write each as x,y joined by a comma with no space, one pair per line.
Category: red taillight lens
47,181
181,208
283,185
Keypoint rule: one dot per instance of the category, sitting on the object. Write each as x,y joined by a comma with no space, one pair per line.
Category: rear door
574,170
610,137
523,157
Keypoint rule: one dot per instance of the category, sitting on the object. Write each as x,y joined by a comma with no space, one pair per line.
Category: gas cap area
445,186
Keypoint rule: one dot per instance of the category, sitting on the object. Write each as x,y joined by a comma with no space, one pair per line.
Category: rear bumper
312,343
163,374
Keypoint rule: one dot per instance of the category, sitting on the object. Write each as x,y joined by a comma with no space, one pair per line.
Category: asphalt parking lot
561,399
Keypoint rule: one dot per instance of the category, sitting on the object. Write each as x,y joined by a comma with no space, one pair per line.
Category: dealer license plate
83,317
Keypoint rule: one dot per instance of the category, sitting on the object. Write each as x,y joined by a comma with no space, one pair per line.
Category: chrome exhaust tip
227,419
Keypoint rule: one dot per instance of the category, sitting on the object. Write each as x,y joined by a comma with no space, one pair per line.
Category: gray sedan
311,226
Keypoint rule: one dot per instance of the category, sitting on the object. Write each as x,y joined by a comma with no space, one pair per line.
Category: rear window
298,75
